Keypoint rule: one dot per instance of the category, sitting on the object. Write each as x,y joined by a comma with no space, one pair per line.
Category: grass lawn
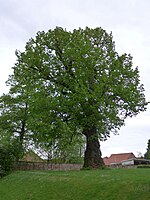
108,184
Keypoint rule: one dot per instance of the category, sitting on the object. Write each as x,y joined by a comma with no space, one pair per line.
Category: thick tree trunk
92,157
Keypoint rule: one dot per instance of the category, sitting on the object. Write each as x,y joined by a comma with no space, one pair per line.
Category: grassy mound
108,184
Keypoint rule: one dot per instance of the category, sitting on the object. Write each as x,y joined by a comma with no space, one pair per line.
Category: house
31,156
116,159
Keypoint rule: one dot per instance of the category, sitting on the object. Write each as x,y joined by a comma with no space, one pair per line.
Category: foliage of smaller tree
13,121
61,150
147,154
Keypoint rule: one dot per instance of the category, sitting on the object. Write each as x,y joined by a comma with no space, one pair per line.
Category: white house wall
128,162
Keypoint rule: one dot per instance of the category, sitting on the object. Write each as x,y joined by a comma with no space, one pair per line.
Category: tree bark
92,157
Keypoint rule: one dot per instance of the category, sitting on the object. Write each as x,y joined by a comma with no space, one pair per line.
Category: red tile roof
118,158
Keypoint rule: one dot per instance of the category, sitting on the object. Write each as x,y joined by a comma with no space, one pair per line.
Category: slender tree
13,120
78,84
147,154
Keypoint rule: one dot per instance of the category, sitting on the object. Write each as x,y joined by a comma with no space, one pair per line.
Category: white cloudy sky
129,22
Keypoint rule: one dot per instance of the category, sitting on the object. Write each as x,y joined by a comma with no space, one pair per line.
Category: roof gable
31,156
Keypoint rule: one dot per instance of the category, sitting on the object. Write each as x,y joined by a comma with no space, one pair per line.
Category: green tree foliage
62,150
147,154
78,84
7,159
13,120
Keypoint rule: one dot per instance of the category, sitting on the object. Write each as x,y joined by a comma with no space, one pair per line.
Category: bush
143,166
7,160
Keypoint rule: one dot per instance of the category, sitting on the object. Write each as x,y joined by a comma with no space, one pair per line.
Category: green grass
114,184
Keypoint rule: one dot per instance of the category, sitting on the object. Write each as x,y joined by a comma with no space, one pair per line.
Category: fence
23,165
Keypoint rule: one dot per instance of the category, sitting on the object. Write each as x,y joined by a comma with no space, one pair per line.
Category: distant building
115,159
125,159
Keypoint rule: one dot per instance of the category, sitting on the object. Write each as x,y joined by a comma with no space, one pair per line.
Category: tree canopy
76,83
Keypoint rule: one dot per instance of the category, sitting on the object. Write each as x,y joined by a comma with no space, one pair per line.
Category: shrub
7,160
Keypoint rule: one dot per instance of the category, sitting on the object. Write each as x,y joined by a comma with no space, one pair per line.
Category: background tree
83,84
14,118
139,155
147,154
61,150
20,126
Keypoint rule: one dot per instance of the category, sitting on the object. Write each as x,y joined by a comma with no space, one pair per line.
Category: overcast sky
129,22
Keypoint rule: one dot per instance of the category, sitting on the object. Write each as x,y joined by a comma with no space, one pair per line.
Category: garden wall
23,165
